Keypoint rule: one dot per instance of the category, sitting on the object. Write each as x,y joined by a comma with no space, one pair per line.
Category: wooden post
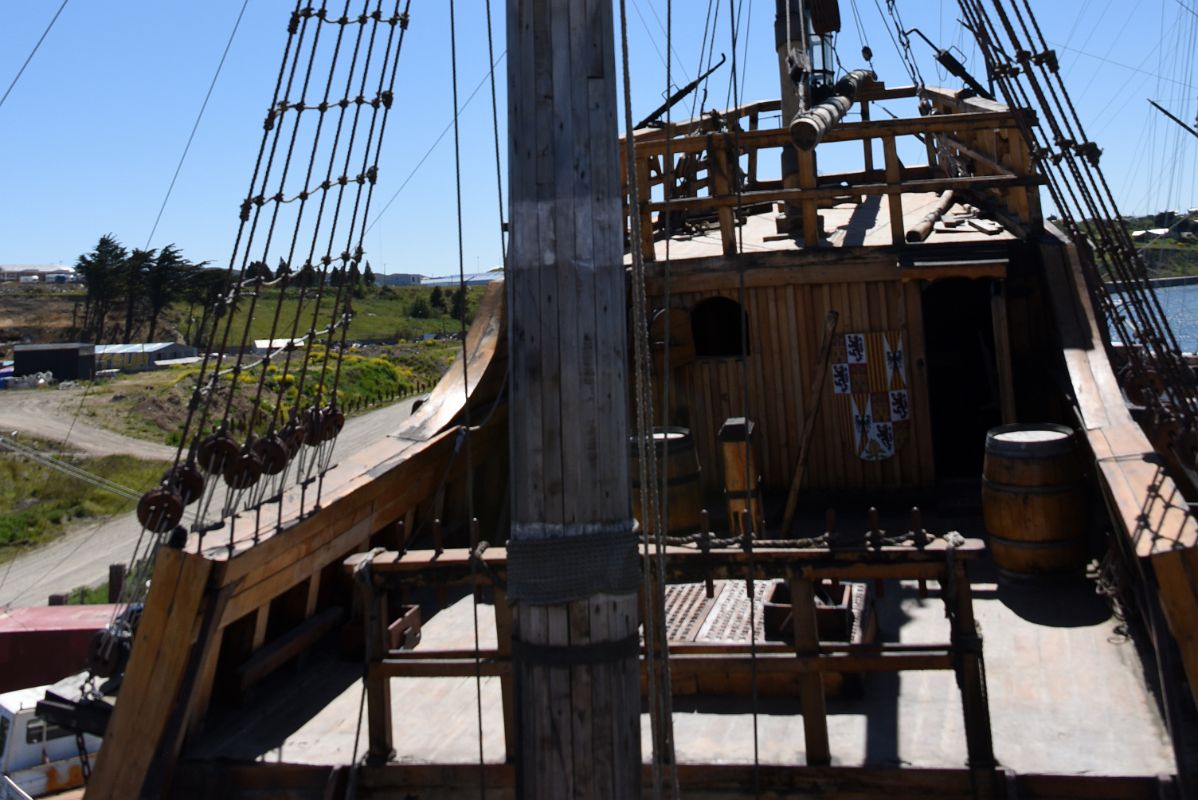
971,677
1002,350
572,565
378,685
894,189
116,581
867,142
811,684
741,477
807,180
721,186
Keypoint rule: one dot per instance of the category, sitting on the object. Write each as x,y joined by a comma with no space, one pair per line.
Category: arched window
717,325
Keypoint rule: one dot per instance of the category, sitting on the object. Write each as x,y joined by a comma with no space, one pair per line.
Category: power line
33,52
196,126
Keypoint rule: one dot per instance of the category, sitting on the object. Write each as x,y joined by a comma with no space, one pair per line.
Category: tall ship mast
779,464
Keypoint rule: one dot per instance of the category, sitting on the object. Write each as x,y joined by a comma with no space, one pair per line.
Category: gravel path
49,414
82,556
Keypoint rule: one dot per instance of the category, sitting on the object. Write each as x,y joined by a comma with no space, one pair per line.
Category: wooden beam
378,686
291,644
845,132
892,186
202,780
894,181
162,649
568,448
1002,351
811,686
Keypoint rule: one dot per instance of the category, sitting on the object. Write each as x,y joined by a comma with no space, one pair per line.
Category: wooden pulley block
1138,391
1187,446
187,480
160,509
244,470
216,451
334,421
107,654
313,426
273,453
292,435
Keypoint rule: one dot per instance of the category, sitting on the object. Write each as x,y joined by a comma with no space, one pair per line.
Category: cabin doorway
962,377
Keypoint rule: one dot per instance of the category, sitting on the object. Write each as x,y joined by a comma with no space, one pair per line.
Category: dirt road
82,556
51,414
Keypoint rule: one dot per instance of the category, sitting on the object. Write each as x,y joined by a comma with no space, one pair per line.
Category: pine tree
437,299
459,303
368,275
100,271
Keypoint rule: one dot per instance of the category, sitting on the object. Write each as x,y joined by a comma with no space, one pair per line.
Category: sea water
1180,304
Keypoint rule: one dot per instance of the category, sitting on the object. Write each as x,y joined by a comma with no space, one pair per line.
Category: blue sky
91,135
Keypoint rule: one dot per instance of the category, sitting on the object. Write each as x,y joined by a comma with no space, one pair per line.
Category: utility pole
573,571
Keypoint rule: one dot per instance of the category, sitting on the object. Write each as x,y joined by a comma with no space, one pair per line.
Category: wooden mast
572,571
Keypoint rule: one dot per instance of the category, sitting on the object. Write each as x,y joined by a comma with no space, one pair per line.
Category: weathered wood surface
1145,503
365,493
162,649
578,725
786,379
718,782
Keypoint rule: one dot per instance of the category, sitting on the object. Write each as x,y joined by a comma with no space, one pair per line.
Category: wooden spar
808,128
792,497
923,229
578,700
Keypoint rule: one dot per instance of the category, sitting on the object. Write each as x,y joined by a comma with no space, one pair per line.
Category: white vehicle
37,758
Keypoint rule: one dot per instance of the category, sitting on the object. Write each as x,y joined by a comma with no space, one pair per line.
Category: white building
140,357
37,273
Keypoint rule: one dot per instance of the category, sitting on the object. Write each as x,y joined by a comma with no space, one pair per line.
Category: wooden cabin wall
785,324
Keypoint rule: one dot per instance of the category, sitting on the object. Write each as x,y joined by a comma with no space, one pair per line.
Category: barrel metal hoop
1043,544
1016,488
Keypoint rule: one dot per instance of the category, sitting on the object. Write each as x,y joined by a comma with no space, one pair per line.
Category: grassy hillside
382,314
153,405
37,503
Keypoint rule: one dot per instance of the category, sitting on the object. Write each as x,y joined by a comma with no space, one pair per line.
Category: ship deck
1067,695
845,225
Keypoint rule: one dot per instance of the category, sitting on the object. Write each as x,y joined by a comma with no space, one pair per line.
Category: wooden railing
686,171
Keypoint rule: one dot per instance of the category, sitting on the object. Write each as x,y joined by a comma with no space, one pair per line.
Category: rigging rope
469,476
734,179
1080,191
288,419
32,52
196,126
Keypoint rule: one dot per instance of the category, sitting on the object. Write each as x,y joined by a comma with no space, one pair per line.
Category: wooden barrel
1033,499
679,461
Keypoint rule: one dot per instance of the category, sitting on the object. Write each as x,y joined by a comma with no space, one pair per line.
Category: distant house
37,273
475,279
400,279
140,357
67,361
264,346
1150,235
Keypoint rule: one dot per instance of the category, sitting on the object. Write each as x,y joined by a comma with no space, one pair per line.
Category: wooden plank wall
785,323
